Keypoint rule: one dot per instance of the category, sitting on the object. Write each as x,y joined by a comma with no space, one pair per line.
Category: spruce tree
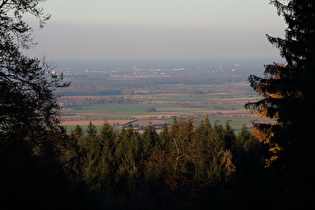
288,97
220,158
107,138
128,157
150,139
92,147
229,136
165,139
73,155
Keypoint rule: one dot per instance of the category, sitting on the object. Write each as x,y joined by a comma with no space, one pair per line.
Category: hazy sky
157,29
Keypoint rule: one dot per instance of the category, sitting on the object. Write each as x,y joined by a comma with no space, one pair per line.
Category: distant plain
124,92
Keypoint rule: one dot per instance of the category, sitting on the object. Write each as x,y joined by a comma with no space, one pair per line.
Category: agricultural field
160,109
156,92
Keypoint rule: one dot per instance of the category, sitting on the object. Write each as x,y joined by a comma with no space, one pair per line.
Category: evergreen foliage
288,96
179,166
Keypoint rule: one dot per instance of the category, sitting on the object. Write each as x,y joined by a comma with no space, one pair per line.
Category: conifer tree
199,159
229,136
93,152
204,128
216,141
287,88
128,158
165,140
150,139
247,155
73,155
132,161
200,151
288,96
202,135
107,138
91,133
77,133
220,158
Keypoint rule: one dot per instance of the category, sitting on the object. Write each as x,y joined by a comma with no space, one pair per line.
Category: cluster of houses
80,100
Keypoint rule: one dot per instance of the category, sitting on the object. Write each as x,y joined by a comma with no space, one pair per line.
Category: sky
157,29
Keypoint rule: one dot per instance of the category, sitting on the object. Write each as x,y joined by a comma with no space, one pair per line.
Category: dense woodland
179,167
185,166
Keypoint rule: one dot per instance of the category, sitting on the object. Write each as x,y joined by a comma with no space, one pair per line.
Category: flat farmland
219,107
137,91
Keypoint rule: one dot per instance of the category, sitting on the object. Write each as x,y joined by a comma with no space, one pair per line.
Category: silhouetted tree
288,96
27,102
30,137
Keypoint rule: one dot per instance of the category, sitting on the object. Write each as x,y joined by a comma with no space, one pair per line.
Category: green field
222,108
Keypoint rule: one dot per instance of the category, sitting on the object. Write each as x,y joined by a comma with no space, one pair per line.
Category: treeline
182,167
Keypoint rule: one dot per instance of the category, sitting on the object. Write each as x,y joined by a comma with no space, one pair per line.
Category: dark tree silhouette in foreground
27,84
288,92
29,131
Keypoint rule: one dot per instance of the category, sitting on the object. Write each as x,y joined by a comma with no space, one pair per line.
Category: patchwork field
142,109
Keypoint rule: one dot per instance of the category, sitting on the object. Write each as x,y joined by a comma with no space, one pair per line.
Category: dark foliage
30,138
181,167
288,96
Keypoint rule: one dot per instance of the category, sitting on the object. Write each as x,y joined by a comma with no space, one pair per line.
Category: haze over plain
151,29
